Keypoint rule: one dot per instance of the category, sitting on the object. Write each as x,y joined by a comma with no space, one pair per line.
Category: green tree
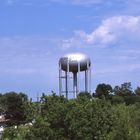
16,133
125,127
103,90
75,119
83,118
13,104
124,90
137,91
85,95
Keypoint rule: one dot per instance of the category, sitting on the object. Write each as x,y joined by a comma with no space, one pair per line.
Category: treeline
119,94
108,114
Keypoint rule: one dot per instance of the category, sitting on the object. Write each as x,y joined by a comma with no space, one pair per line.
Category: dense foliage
110,114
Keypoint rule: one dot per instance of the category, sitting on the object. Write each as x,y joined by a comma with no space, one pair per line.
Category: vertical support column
78,79
66,79
75,84
66,84
90,79
86,81
87,78
60,79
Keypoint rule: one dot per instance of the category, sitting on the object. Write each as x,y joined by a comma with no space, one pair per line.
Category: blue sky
34,34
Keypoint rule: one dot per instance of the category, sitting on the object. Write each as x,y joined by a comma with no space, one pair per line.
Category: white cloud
114,30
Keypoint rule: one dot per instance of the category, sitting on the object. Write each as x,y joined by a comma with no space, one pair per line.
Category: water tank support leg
75,84
60,80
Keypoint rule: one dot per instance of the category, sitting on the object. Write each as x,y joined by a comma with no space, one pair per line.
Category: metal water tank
72,61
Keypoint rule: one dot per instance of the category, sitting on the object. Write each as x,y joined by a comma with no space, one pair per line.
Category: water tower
76,64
